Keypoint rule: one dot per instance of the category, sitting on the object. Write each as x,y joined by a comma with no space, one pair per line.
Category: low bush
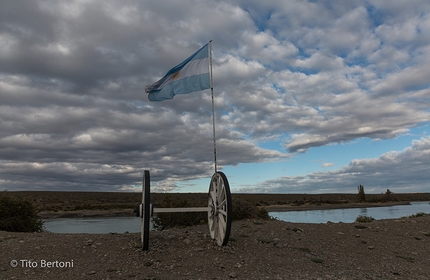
364,219
18,215
241,209
168,220
419,214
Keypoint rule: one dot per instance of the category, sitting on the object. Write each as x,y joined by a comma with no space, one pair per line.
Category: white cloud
309,73
235,70
320,62
398,171
408,79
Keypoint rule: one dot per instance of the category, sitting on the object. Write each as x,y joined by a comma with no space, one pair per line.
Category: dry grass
70,201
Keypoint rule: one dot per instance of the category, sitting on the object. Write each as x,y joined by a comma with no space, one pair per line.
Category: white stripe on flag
189,76
192,68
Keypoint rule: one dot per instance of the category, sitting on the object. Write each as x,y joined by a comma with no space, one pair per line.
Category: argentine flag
189,76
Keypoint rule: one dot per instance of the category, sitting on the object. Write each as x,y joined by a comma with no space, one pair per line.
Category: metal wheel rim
219,215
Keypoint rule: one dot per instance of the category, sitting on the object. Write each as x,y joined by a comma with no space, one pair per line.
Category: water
93,225
133,224
350,214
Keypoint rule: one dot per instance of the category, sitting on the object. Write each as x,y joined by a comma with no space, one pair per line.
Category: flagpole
213,110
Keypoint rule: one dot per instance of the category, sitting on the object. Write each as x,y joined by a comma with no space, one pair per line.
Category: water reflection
350,214
132,224
93,225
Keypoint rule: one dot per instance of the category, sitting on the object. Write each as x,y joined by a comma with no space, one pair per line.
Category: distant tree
361,194
388,195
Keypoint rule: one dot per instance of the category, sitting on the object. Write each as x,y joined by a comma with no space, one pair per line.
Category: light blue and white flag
189,76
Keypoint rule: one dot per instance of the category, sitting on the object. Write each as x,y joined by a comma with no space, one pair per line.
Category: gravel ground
258,249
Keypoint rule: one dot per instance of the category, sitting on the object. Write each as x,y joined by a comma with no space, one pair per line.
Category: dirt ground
258,249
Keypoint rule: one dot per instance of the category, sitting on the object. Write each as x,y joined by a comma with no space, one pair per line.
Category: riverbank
62,202
327,206
86,214
271,208
258,249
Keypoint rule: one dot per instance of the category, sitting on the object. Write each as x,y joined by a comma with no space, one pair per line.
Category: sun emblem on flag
175,75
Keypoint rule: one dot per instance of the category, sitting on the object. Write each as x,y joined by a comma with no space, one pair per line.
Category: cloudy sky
310,96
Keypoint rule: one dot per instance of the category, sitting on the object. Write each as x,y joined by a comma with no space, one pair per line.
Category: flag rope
213,110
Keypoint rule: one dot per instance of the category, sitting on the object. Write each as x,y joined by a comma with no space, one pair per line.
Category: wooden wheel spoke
212,224
214,184
222,225
221,193
213,196
211,216
222,203
224,213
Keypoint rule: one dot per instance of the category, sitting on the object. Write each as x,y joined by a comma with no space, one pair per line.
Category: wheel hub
214,209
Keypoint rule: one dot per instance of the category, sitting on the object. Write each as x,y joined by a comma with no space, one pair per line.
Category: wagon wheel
219,215
145,210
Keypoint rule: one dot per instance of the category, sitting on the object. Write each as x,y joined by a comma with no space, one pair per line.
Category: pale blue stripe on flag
167,87
182,86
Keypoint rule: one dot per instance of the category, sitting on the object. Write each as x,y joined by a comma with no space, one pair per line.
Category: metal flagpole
213,110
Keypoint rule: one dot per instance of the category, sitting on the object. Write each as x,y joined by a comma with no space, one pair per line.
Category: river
132,224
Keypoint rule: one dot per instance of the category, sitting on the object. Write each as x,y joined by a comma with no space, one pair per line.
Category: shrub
19,216
241,209
168,220
364,219
419,214
263,214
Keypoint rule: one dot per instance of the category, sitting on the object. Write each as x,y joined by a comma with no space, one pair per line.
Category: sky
310,96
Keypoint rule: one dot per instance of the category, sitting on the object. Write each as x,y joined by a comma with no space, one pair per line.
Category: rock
318,251
232,275
186,241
